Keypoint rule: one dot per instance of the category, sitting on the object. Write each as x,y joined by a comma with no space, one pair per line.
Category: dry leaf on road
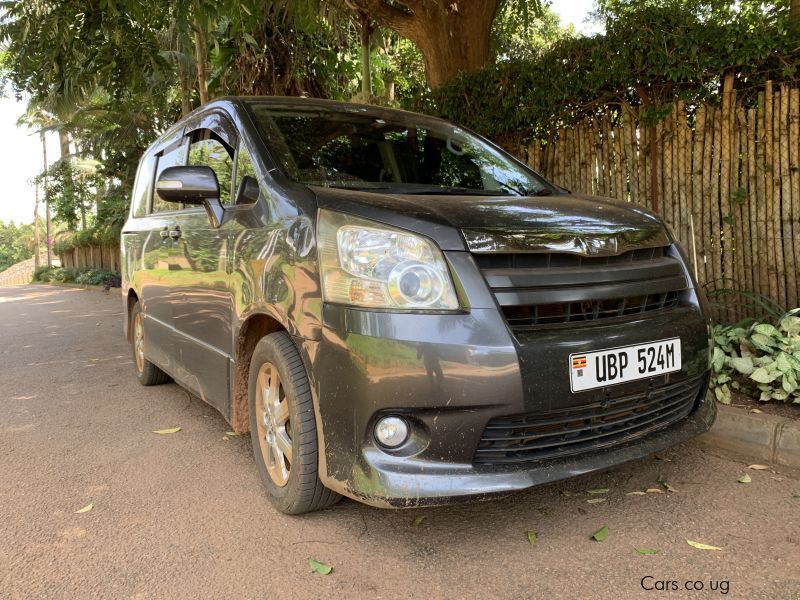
701,546
167,431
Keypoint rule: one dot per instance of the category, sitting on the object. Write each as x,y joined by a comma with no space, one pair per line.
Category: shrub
95,277
83,276
42,273
762,355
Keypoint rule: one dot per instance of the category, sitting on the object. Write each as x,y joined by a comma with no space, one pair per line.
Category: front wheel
283,428
146,372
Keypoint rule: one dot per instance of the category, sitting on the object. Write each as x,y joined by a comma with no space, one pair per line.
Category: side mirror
192,185
248,191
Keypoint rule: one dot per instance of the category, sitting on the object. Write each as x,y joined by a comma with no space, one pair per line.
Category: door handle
175,233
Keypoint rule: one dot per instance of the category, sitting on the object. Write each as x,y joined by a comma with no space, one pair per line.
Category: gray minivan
399,311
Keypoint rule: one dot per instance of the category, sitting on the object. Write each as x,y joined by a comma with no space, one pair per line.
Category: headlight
363,263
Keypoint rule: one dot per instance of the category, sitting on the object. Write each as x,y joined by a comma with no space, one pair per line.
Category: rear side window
208,150
173,156
143,186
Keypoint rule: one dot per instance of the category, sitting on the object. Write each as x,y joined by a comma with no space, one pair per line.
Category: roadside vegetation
79,275
16,243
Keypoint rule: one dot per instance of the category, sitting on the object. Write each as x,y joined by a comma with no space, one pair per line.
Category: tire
146,372
283,429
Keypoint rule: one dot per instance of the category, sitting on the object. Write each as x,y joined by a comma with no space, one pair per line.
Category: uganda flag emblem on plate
579,362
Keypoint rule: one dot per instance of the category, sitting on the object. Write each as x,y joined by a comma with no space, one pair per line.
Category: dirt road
183,515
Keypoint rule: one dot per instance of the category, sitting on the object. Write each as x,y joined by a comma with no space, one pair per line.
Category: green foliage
652,53
16,243
517,35
83,276
762,356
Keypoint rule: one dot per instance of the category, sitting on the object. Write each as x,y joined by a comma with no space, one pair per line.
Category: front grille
578,429
538,290
523,317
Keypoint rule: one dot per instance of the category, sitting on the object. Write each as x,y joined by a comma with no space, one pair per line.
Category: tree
16,243
452,35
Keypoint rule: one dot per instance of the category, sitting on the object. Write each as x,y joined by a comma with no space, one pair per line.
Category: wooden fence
725,178
96,257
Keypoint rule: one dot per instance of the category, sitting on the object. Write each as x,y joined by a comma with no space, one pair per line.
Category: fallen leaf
319,567
600,534
567,493
167,431
85,509
532,535
744,479
645,550
668,487
657,457
654,491
758,467
757,411
598,491
231,433
225,438
417,521
635,494
596,500
701,546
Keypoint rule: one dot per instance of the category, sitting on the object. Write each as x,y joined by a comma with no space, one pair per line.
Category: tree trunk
63,142
453,43
794,11
186,106
365,28
37,260
47,204
452,35
201,57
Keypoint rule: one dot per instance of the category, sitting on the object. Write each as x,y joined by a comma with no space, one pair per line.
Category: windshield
353,150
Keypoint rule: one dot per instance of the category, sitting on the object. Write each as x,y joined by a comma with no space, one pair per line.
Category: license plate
590,370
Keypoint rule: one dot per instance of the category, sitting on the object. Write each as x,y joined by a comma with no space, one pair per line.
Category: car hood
507,223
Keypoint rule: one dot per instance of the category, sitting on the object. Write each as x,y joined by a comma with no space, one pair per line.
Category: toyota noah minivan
400,312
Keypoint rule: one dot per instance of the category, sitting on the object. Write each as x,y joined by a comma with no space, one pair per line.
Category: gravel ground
183,515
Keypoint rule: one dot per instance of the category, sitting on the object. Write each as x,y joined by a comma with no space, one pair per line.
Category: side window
245,176
143,186
174,156
208,150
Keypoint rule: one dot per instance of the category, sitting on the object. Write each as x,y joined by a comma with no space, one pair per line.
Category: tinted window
342,148
209,151
143,186
174,156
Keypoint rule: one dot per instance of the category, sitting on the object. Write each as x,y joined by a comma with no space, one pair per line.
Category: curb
80,286
767,437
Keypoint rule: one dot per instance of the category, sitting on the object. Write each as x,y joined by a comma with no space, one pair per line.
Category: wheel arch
255,327
132,299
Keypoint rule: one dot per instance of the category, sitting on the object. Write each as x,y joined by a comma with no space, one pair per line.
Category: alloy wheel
272,421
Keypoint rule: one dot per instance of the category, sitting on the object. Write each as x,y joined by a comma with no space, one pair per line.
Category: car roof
236,104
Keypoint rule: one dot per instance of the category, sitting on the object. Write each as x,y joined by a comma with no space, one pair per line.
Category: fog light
391,431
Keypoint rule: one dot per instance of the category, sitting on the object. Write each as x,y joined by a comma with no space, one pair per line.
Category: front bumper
449,375
390,482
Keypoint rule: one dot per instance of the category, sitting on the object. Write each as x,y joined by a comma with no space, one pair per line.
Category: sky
21,148
20,161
